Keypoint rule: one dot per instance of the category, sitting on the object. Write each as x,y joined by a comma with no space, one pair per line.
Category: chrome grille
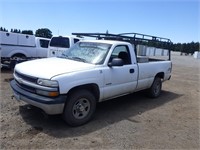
27,78
25,87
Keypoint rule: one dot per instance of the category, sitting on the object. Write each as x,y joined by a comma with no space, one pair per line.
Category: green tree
188,48
4,29
43,32
15,31
30,32
197,46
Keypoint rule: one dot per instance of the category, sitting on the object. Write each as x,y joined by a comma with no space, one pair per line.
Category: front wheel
155,89
79,108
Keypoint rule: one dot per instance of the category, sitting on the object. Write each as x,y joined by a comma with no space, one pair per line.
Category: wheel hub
81,108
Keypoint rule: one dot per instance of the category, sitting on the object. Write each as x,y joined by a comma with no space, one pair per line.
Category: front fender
71,80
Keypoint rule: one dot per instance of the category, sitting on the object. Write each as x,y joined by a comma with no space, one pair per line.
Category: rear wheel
17,58
80,107
155,89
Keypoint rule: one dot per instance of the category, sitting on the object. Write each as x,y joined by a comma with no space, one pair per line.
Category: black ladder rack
133,38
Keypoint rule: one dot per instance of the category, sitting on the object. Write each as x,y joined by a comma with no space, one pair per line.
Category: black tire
155,89
18,57
79,108
15,59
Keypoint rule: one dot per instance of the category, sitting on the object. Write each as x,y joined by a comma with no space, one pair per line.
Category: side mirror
116,62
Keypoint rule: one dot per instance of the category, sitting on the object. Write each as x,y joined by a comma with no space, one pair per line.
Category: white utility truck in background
93,71
59,44
21,46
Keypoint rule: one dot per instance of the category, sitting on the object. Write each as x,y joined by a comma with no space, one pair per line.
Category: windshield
88,52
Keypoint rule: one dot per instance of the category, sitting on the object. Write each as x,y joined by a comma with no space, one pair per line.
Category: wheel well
93,88
160,75
18,55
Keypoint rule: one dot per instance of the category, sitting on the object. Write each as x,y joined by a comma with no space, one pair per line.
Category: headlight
49,83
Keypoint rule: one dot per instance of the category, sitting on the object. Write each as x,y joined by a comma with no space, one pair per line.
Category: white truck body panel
8,38
17,39
147,72
26,40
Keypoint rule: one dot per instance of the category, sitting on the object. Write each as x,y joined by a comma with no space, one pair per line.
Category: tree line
188,48
43,32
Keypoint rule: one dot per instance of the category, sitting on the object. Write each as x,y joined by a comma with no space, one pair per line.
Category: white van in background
59,44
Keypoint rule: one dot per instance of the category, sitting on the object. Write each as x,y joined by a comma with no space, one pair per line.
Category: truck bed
145,59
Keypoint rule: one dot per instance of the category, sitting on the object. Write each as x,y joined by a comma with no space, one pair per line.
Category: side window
44,43
122,52
76,40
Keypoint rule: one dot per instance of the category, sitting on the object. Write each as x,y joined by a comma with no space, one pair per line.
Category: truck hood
49,67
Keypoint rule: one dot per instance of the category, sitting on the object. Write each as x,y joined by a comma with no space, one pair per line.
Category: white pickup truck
22,46
89,72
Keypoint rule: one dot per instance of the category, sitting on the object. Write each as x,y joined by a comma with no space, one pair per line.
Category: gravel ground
130,122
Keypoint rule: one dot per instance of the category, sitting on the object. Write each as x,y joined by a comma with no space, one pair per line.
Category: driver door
120,80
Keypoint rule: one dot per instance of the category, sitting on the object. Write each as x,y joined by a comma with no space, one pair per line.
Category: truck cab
42,47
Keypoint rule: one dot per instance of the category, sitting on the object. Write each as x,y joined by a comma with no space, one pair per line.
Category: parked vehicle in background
196,55
15,46
59,44
93,71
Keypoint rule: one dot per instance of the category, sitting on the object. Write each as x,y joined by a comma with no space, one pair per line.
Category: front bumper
49,105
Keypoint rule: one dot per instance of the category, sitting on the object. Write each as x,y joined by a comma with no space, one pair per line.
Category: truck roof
67,36
105,41
42,38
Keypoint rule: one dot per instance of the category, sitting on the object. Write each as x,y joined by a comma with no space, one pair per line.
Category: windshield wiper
63,56
79,59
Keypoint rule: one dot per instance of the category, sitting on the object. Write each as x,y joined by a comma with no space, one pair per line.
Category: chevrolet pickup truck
89,72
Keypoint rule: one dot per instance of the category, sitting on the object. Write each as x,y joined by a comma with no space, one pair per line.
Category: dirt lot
131,122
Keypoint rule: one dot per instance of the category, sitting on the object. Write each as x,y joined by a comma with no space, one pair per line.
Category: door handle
131,70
